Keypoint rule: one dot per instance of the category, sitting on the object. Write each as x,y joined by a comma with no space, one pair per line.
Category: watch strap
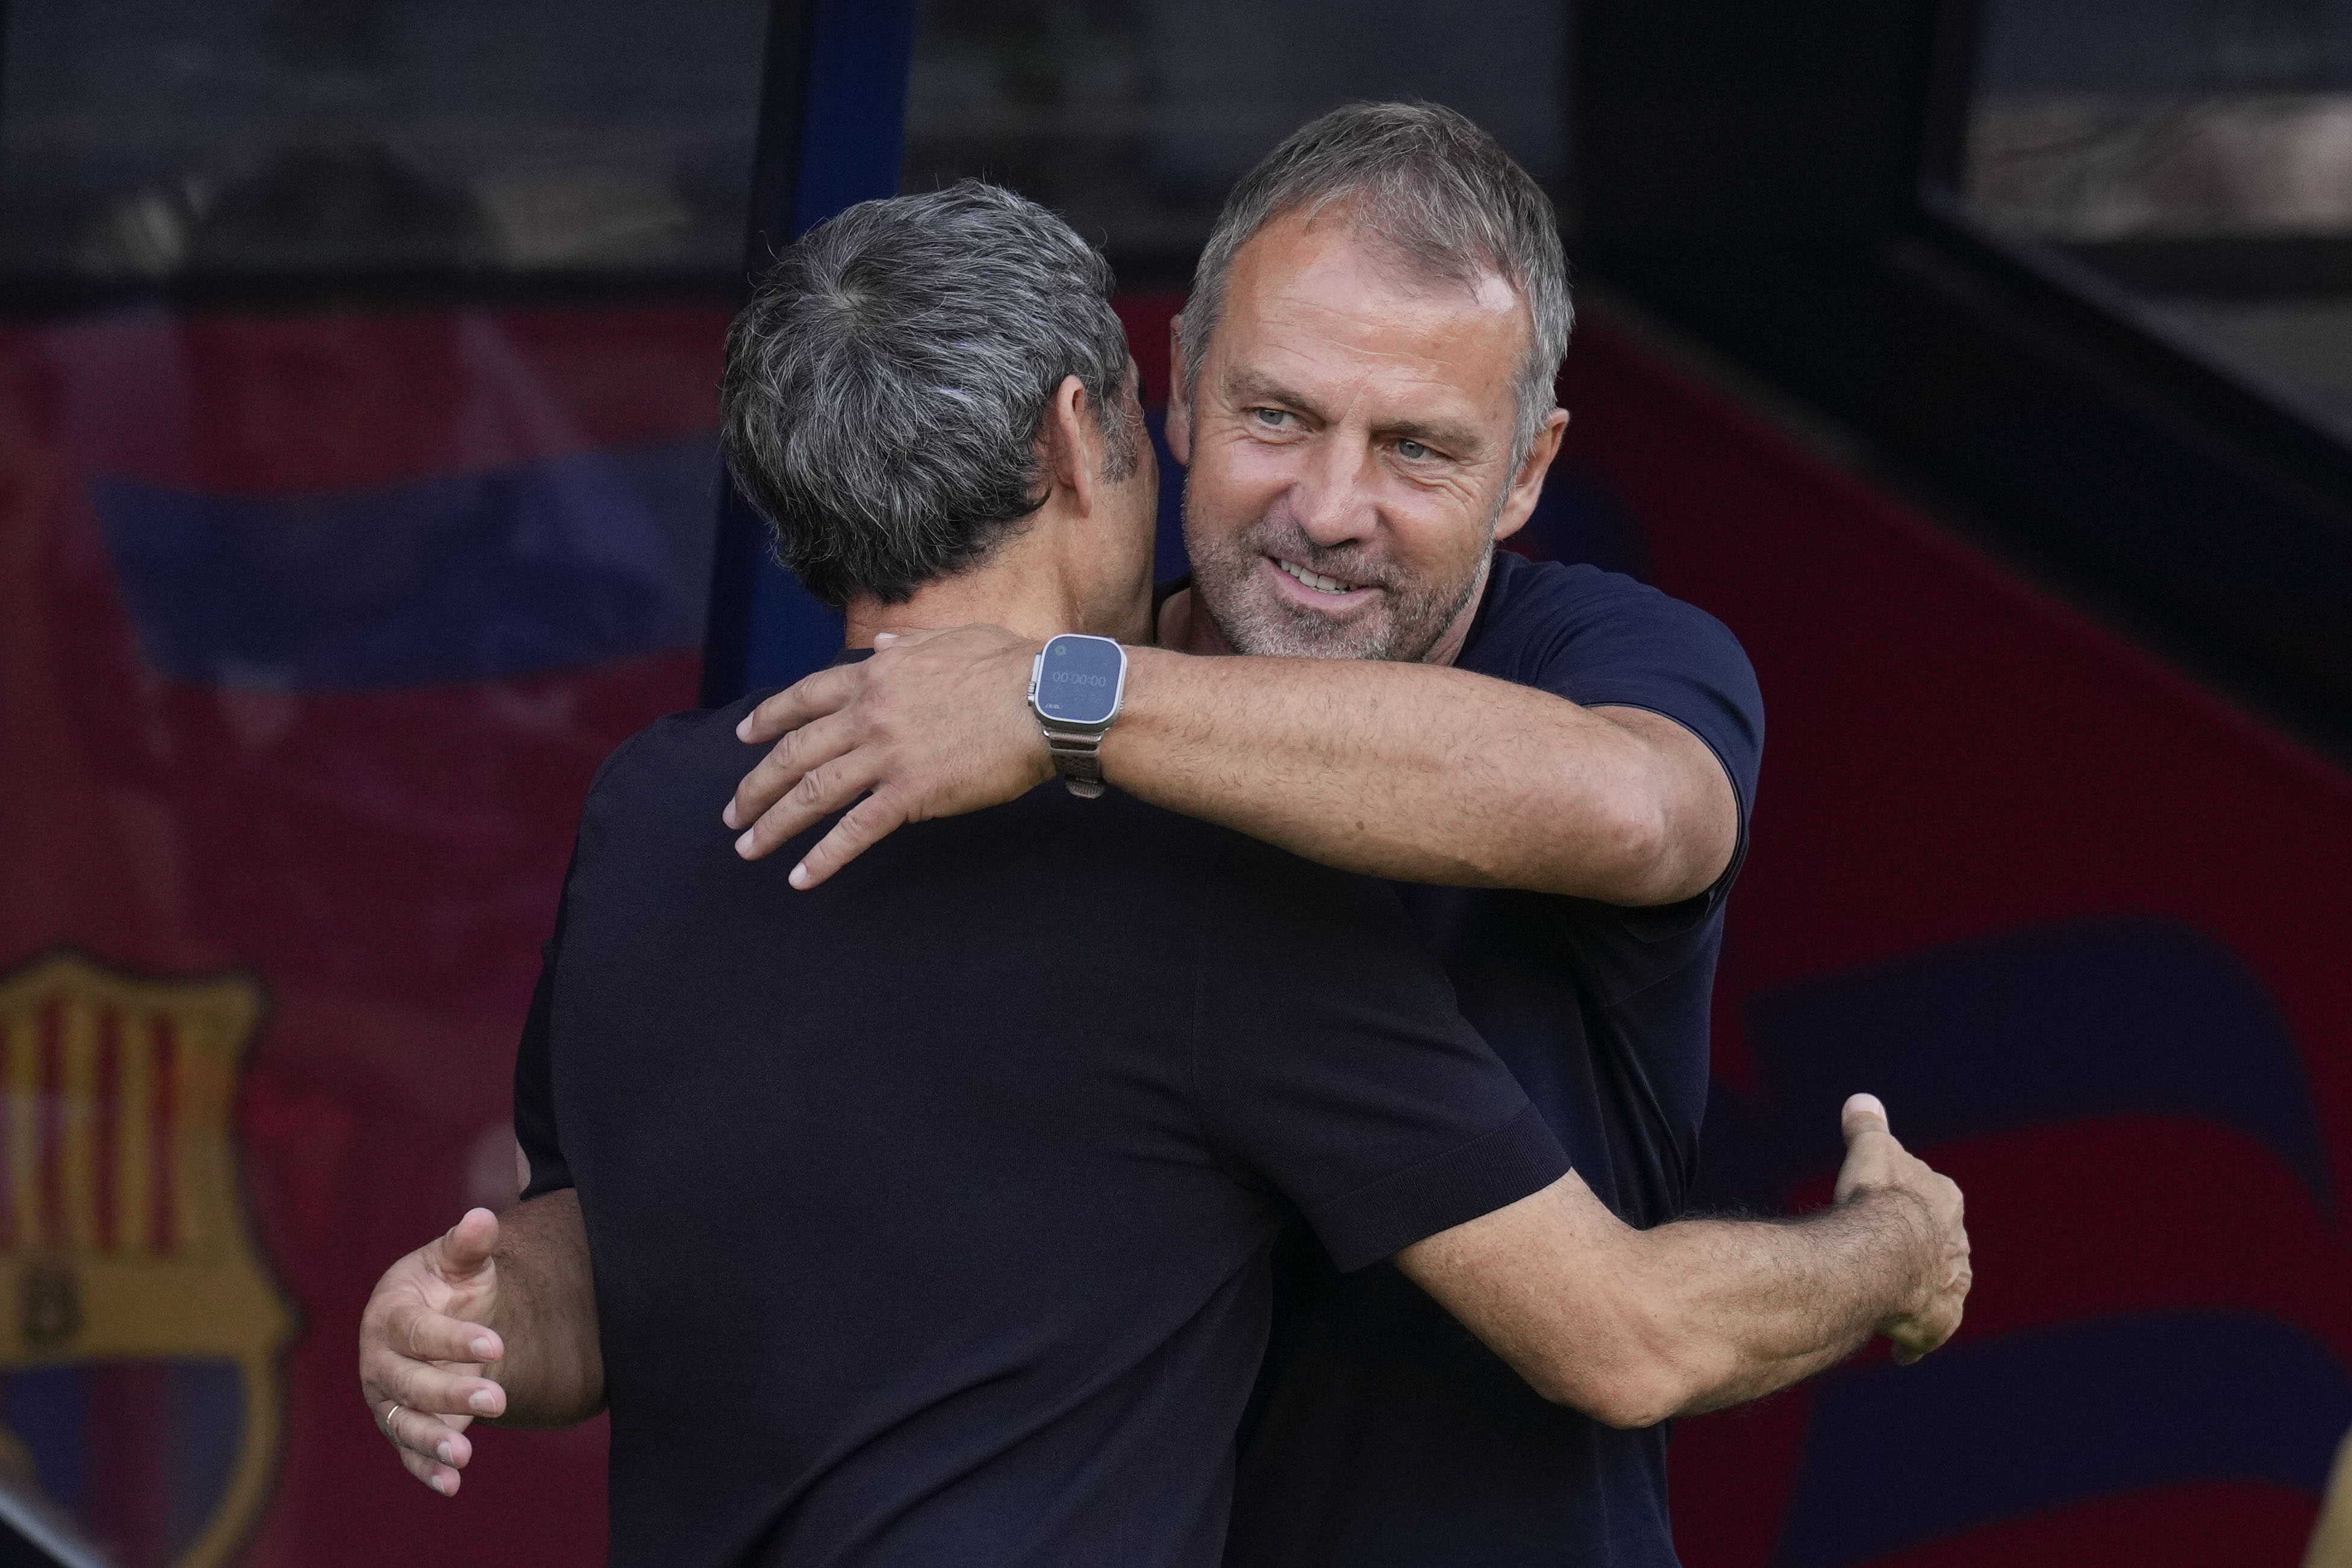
1078,757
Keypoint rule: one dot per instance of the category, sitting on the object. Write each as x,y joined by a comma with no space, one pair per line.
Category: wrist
1077,687
1036,755
1903,1229
1146,678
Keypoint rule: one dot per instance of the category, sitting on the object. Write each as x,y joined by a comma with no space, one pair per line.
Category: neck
1024,587
1186,627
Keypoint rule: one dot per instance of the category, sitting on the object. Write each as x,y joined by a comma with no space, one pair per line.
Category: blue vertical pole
833,131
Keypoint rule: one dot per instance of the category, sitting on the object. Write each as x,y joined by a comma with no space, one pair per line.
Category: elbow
1639,850
1627,1402
1628,1393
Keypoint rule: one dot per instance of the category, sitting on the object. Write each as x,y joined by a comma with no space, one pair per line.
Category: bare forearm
1417,772
1754,1307
1635,1326
554,1369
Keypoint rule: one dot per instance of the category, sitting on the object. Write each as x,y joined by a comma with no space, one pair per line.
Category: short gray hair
1437,190
884,390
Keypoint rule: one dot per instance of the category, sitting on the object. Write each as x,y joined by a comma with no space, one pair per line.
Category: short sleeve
1604,640
1334,1067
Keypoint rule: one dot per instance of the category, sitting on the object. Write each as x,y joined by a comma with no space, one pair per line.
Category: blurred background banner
2085,927
317,625
1980,365
357,482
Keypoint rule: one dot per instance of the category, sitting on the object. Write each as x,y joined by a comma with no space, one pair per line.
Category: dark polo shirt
930,1211
1384,1434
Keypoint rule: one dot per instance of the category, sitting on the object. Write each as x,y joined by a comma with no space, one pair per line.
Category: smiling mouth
1315,579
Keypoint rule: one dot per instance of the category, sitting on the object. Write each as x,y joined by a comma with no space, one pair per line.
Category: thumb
884,639
465,1250
1863,1114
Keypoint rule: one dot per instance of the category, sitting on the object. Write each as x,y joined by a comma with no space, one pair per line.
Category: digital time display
1079,679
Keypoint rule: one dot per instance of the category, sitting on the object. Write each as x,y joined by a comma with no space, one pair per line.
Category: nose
1331,500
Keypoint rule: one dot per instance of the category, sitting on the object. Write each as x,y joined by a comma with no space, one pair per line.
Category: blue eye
1270,416
1412,451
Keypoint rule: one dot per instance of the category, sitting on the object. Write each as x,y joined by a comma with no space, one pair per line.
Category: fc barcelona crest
140,1333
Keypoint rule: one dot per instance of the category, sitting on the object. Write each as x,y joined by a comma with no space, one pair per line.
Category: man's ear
1074,444
1179,427
1527,484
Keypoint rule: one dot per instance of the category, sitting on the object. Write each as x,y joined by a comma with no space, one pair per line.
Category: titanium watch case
1076,686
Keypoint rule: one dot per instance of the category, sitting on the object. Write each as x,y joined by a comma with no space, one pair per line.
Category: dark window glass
2198,152
1132,118
149,137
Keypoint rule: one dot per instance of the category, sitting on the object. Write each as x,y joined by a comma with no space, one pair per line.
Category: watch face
1079,682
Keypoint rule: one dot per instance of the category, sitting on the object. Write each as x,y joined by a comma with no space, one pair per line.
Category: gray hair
1439,191
884,390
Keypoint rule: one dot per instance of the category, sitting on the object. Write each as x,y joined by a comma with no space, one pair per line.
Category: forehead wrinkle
1315,349
1313,331
1425,316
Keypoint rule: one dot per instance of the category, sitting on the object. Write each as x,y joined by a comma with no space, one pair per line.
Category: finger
428,1437
765,781
462,1254
439,1391
1863,1114
441,1477
812,696
424,1335
774,776
861,827
821,791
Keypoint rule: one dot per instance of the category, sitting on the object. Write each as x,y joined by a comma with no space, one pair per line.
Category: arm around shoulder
1425,773
1635,1327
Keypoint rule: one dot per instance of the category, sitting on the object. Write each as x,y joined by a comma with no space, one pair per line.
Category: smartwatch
1073,689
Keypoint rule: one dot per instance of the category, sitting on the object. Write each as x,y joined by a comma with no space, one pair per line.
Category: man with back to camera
929,1221
1363,394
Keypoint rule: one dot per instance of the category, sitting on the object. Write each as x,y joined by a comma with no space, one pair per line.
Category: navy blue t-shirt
1383,1435
930,1211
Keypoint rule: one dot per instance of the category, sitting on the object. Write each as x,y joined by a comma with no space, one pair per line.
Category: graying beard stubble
1236,638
